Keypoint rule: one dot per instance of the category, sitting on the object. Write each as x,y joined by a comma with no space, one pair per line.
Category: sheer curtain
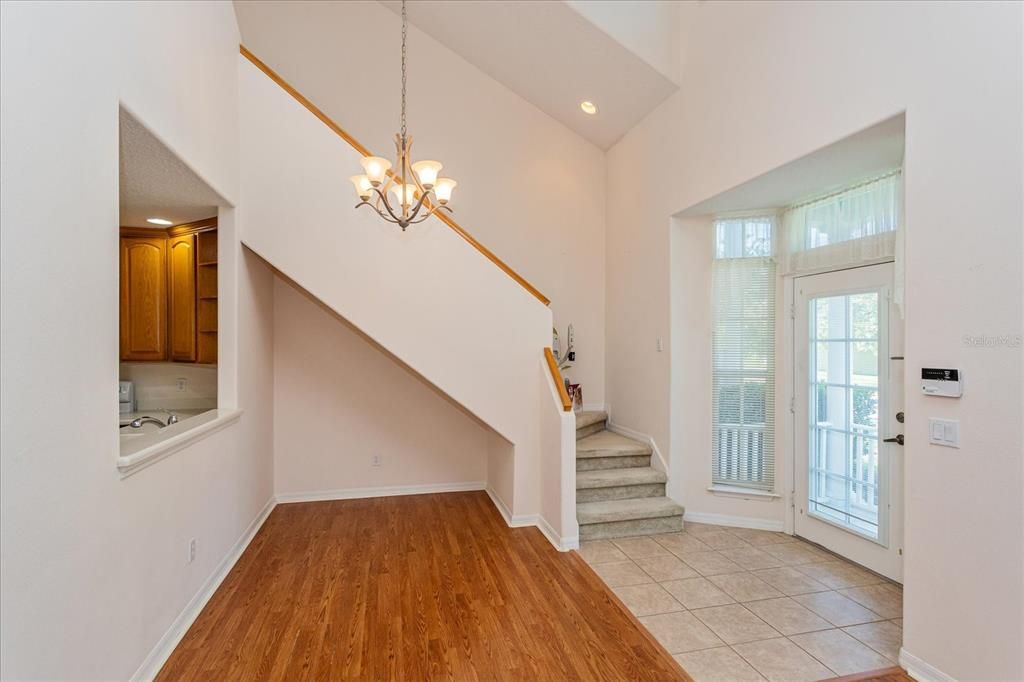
858,225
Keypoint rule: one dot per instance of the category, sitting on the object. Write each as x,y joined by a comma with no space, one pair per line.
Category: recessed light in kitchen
588,107
159,221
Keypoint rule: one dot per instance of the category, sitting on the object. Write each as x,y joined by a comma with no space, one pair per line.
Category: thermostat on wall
947,383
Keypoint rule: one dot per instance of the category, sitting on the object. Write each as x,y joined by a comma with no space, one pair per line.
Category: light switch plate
945,432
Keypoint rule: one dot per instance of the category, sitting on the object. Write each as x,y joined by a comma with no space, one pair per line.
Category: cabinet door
143,298
181,270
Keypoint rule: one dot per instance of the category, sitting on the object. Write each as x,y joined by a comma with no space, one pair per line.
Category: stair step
619,484
610,444
626,510
605,463
584,431
585,419
621,518
610,478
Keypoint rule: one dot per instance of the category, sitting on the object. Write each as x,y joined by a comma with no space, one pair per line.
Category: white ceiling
155,183
550,55
866,153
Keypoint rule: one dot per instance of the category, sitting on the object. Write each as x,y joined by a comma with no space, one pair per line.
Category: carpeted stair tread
610,444
613,478
626,510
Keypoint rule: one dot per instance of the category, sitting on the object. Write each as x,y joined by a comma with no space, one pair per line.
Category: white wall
426,296
529,188
796,77
94,567
339,400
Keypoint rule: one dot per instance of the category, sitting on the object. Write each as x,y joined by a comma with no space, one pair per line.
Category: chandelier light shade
405,193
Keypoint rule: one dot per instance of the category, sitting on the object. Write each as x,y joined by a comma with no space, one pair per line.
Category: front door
849,388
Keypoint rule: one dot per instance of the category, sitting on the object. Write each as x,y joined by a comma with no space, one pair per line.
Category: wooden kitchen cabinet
169,293
181,273
144,298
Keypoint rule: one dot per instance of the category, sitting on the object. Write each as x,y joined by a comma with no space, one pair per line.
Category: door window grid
845,491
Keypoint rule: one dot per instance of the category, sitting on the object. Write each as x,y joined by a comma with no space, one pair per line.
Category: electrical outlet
375,461
659,345
182,384
191,550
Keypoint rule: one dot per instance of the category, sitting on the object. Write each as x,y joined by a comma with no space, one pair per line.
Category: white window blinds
743,354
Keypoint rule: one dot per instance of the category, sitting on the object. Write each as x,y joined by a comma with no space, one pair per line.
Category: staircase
617,492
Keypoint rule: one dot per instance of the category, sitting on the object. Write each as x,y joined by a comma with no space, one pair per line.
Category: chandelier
400,196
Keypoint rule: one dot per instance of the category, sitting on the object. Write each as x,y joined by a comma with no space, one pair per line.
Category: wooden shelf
207,247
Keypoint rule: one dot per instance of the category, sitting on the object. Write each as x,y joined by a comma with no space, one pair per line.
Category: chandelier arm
408,160
419,205
384,200
433,209
379,212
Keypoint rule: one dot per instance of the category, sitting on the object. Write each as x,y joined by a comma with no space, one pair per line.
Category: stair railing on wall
358,146
557,376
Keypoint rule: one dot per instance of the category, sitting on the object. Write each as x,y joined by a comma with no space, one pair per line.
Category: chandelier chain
404,29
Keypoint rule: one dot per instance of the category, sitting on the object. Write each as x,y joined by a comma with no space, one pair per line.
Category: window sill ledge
736,491
149,450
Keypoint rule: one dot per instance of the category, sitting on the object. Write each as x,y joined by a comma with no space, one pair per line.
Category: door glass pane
843,420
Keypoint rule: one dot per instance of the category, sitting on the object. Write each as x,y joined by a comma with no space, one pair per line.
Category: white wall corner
526,520
732,520
162,651
921,670
506,513
562,544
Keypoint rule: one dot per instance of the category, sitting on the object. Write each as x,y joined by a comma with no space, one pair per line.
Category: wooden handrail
358,146
557,376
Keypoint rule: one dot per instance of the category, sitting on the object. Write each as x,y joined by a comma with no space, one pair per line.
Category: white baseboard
658,461
161,652
560,543
383,491
520,521
922,671
526,520
737,521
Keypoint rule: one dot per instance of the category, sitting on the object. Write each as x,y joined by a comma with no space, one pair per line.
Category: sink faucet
139,421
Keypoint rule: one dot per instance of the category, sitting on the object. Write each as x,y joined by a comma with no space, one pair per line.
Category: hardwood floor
424,587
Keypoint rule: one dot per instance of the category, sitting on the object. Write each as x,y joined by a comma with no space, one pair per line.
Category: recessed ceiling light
159,221
588,107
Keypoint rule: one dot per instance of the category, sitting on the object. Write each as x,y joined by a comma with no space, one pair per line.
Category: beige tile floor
734,604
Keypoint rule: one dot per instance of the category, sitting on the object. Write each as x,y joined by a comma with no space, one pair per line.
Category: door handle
897,439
